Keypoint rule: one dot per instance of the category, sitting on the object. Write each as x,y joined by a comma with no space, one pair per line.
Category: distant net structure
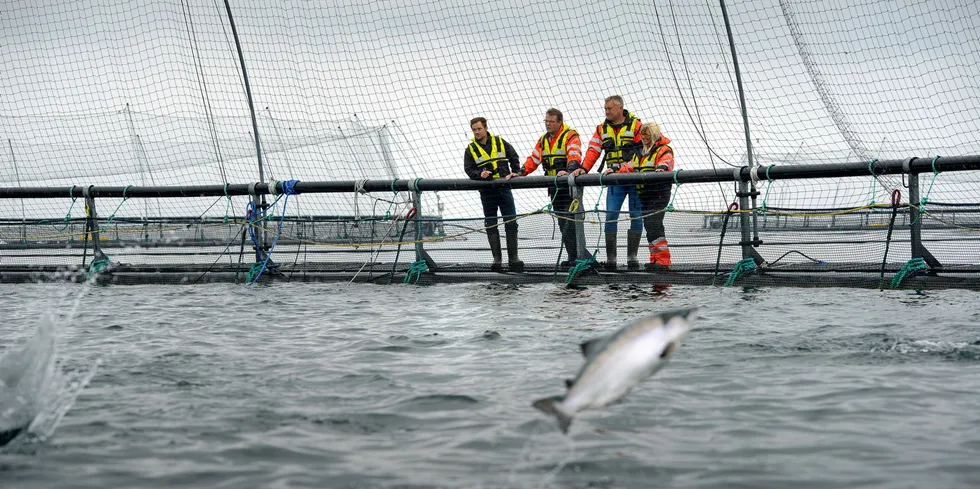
817,144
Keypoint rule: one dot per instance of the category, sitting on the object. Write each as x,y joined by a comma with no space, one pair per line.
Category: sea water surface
364,386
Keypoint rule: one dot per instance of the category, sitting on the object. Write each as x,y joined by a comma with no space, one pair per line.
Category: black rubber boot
610,252
513,262
493,237
632,246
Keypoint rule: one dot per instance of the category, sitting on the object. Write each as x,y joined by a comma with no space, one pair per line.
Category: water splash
36,391
24,378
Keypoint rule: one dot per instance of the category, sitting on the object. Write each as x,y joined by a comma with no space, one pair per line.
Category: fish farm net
816,144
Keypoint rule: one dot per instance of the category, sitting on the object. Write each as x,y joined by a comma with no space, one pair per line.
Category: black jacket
472,171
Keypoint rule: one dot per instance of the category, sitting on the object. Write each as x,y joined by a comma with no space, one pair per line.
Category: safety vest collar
628,126
554,150
628,121
497,150
492,160
548,147
648,162
618,135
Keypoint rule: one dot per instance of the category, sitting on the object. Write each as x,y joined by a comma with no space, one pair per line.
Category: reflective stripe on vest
626,134
490,162
648,162
554,158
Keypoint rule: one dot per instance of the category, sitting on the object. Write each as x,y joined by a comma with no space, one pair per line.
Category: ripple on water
431,387
437,402
370,423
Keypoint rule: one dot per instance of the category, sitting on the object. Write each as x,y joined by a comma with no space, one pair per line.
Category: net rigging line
698,124
205,96
833,109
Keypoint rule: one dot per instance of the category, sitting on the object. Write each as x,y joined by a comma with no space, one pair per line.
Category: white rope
358,189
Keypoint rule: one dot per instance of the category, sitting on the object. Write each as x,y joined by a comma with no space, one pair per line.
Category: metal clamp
754,174
907,170
571,185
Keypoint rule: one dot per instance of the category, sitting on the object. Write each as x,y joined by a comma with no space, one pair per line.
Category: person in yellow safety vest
658,156
489,157
619,137
556,150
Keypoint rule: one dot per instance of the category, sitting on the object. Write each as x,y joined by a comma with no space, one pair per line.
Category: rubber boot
610,252
632,246
513,262
493,237
659,258
654,265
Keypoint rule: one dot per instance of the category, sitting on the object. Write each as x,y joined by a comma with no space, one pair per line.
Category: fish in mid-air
615,364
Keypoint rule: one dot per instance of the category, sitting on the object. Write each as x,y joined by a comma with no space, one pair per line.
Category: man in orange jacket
558,149
658,156
619,137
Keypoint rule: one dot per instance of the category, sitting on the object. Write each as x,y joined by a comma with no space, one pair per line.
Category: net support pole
581,248
420,253
748,251
746,188
915,222
261,203
260,248
92,225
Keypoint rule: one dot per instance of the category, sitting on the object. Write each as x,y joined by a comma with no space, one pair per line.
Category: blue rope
287,190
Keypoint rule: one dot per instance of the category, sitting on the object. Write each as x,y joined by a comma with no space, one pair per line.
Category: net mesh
112,93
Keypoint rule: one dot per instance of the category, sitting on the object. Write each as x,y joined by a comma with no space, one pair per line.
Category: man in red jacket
558,149
619,137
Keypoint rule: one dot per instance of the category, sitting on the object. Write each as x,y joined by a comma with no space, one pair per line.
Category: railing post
746,224
258,209
915,223
92,226
581,248
420,253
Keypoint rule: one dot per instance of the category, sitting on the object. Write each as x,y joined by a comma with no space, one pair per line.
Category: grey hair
615,98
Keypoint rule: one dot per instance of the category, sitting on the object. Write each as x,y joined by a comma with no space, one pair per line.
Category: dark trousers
653,223
502,199
560,203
